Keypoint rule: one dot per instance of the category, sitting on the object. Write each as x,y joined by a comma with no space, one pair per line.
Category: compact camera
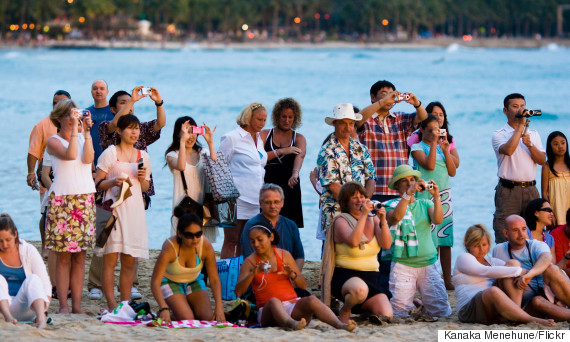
427,186
376,205
401,97
442,132
146,91
266,268
79,113
529,113
197,130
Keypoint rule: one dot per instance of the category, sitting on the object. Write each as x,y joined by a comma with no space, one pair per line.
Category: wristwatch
406,196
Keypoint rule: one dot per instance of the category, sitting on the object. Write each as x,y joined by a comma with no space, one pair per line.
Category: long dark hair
185,221
529,212
175,145
423,124
550,153
445,125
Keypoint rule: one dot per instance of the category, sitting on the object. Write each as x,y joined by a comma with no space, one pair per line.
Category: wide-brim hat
403,171
343,111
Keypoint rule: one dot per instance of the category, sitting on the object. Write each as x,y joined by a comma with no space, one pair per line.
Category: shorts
169,287
246,210
371,278
288,305
474,311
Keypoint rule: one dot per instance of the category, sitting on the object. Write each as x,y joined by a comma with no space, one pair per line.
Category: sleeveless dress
278,171
70,215
559,194
130,235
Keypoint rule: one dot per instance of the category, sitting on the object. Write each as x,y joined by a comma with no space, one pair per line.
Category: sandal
379,319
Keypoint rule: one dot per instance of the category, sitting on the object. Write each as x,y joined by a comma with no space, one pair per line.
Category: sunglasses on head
548,210
189,235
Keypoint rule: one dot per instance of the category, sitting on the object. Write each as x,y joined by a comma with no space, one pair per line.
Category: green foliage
351,18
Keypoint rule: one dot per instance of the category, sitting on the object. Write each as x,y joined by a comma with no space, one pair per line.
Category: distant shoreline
432,43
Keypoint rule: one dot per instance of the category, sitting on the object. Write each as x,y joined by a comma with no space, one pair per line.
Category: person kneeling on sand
177,282
270,271
25,289
414,254
350,266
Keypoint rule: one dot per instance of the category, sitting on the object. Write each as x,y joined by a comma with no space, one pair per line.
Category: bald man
100,111
535,257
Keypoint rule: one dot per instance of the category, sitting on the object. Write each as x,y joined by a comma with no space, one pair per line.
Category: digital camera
376,205
197,130
266,268
529,113
146,91
401,97
442,132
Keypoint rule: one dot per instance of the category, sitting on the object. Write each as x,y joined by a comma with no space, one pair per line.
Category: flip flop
379,319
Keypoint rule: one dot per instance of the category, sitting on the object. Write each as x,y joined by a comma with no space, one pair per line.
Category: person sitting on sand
25,289
542,279
177,282
484,285
352,247
270,271
414,254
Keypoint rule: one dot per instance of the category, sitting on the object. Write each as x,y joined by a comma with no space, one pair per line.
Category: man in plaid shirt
385,133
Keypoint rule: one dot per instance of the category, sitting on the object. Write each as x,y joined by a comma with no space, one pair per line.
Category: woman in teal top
433,159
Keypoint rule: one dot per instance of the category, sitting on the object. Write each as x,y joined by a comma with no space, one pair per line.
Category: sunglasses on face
189,235
548,210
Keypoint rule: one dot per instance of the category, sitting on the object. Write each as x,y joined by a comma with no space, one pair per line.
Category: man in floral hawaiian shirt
342,159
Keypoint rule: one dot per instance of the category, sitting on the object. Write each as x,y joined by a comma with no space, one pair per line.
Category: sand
88,328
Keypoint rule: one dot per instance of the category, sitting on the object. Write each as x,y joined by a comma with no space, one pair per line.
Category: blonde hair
475,234
62,109
244,117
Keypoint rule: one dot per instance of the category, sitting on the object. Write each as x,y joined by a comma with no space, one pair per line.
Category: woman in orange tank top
271,271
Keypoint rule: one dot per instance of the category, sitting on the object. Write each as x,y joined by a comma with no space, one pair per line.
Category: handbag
211,213
104,224
187,205
220,178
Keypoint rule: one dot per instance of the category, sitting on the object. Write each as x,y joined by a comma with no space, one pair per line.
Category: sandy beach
88,328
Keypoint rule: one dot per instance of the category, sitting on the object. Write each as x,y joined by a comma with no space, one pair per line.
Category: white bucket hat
343,111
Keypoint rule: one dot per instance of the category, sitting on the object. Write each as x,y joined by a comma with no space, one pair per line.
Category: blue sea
213,85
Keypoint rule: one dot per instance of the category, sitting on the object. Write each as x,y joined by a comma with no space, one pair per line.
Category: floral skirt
70,223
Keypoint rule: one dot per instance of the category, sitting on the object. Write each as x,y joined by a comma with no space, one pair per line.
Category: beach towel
193,324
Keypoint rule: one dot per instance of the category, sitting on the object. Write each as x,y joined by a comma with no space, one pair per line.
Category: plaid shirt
335,166
147,137
386,142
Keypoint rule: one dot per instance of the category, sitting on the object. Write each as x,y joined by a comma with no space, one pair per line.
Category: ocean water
213,86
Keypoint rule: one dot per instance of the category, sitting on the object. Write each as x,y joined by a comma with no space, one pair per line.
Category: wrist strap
159,104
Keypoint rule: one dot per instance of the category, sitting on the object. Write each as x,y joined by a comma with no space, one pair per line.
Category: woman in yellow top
358,237
177,282
556,176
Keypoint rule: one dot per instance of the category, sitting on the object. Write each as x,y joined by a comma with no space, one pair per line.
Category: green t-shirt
427,253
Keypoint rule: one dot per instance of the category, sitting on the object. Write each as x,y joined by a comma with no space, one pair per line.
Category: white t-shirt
519,166
71,177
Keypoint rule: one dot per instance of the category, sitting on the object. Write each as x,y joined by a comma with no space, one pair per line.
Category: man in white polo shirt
517,156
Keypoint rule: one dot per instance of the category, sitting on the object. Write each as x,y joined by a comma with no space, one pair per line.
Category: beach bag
104,223
187,205
228,270
220,178
211,213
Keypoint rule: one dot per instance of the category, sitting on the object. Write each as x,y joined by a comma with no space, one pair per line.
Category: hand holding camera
208,133
402,97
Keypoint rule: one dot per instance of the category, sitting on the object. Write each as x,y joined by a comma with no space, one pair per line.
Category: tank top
286,160
180,274
360,258
272,284
71,177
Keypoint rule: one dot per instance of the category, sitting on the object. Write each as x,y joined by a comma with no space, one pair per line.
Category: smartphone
197,130
140,161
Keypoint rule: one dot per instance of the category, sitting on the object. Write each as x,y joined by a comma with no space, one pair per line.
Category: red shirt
561,243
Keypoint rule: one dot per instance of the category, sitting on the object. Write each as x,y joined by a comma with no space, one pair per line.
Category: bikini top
180,274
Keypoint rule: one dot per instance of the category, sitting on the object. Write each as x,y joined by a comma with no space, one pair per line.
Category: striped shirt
386,142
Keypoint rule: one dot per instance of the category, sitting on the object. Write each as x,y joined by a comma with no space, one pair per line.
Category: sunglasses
189,235
548,210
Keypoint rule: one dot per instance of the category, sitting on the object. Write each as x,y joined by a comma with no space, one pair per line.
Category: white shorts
246,210
288,306
405,280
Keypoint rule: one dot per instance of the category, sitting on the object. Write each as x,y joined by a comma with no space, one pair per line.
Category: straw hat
343,111
403,171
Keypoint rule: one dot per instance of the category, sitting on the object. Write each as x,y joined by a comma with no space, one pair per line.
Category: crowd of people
386,215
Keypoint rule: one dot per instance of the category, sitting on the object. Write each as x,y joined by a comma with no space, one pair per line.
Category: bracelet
159,104
566,256
275,153
295,276
161,310
418,106
31,173
295,170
